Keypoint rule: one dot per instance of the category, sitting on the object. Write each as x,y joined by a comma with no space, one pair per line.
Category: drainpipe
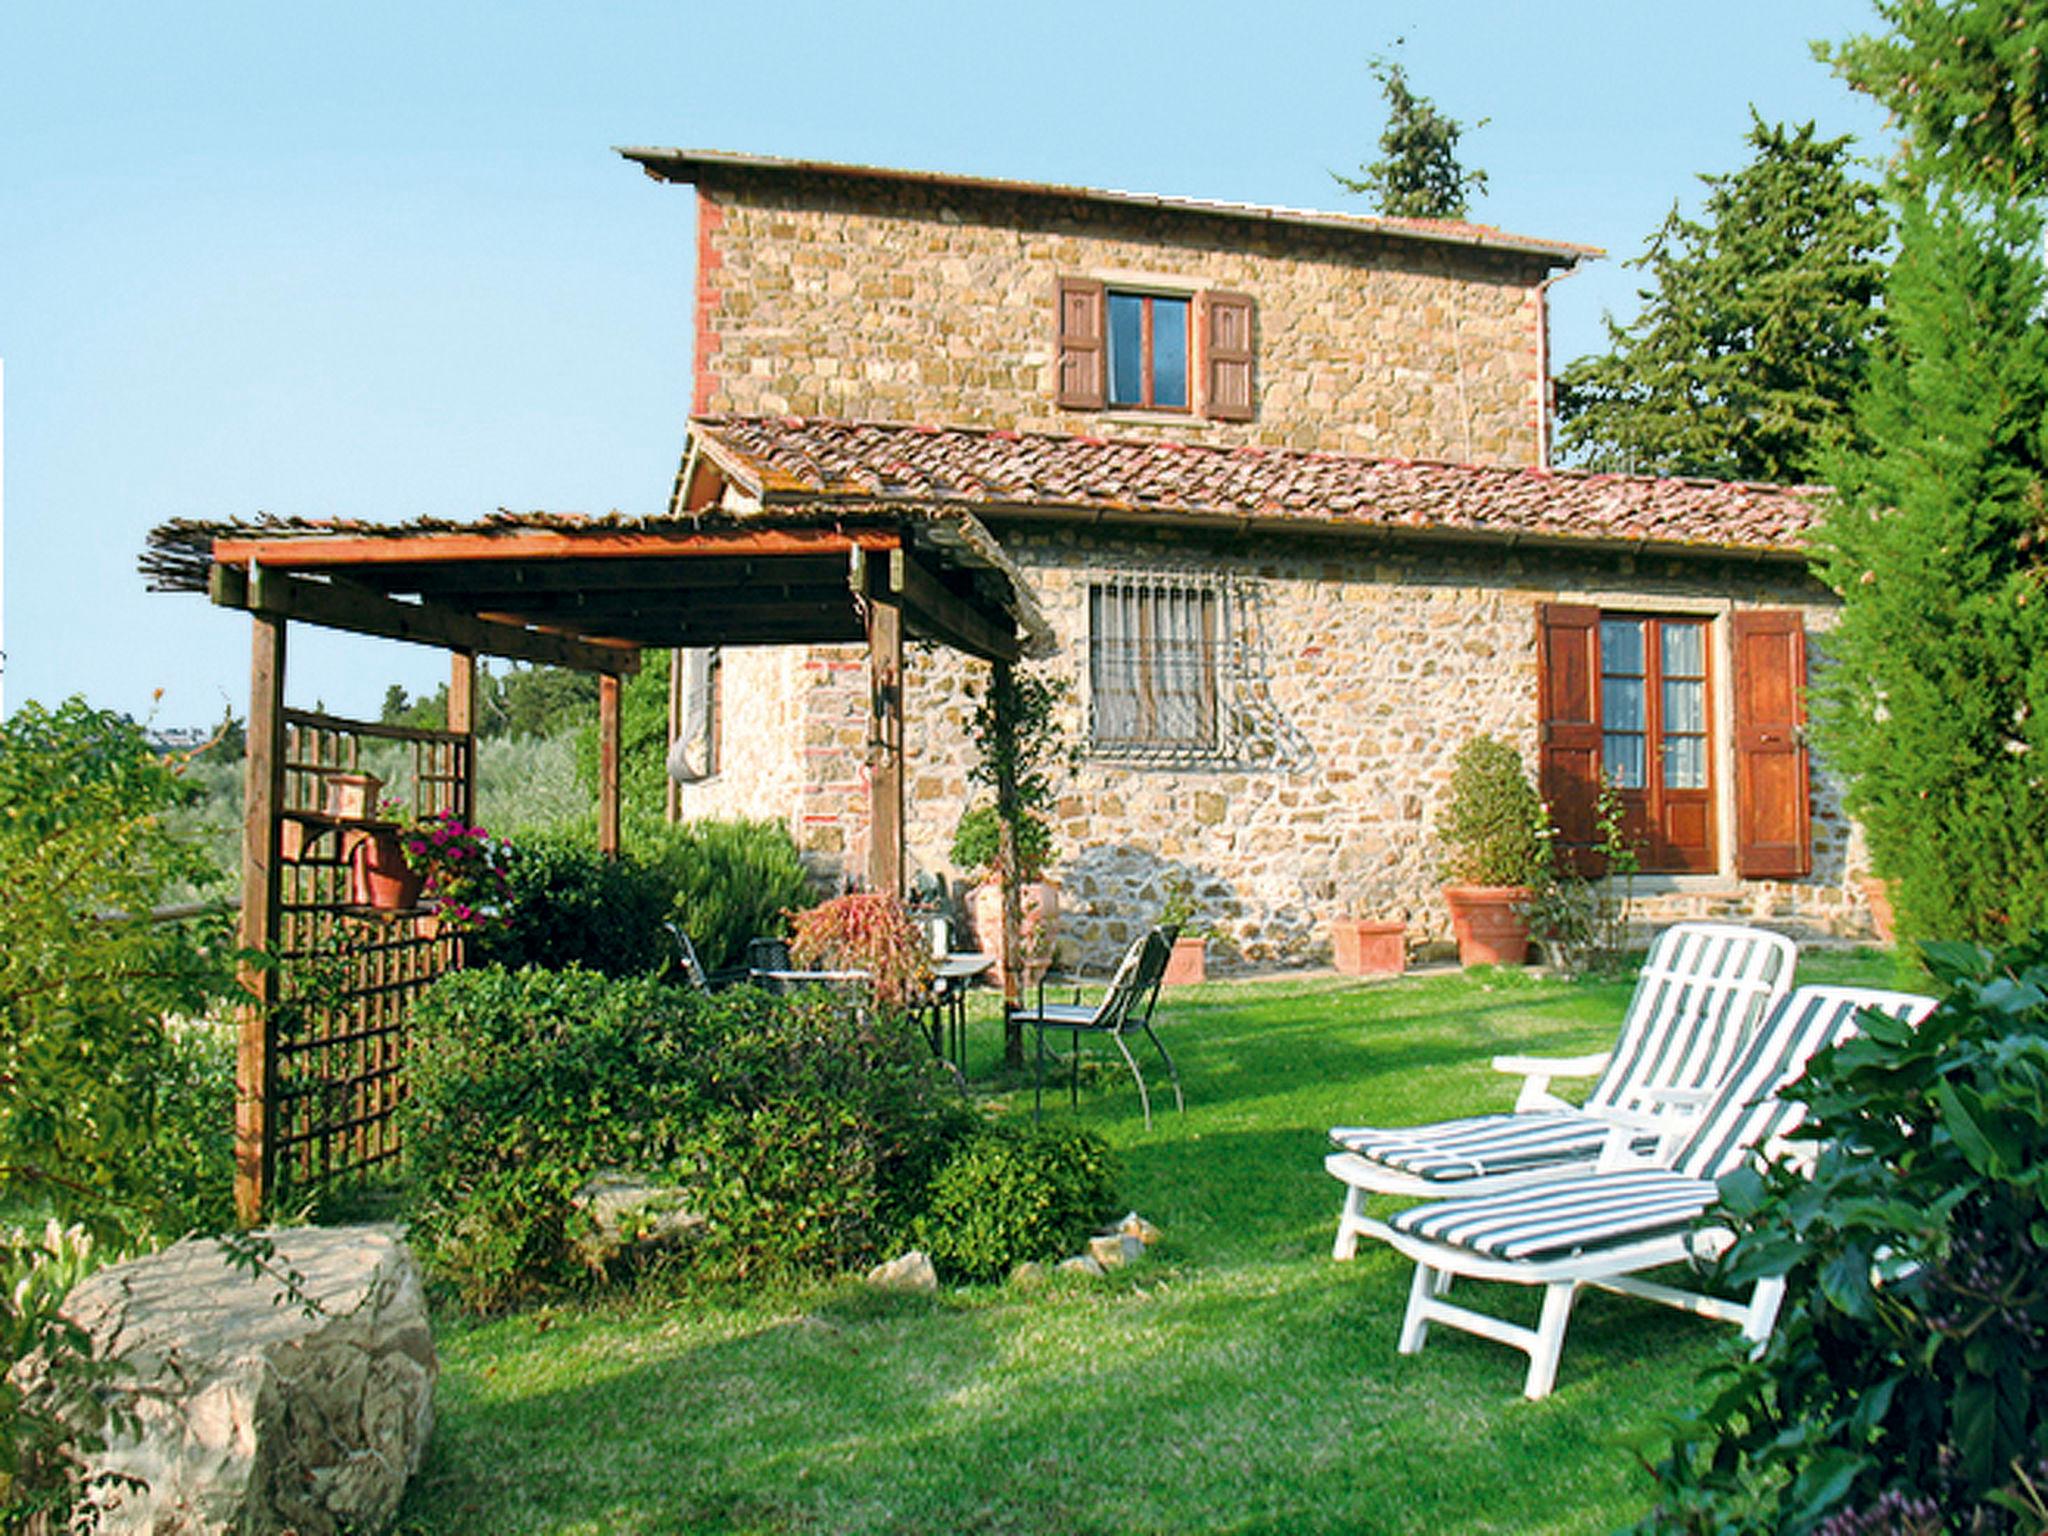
1543,369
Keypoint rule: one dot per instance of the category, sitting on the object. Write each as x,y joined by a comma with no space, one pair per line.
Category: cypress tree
1418,175
1935,706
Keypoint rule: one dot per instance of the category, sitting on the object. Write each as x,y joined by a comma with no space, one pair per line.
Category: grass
1236,1381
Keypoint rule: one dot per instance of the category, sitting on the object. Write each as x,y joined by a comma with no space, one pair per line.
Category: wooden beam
939,613
462,718
885,748
262,798
326,552
517,579
348,608
672,792
608,765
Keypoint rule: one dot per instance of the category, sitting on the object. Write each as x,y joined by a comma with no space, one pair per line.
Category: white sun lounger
1606,1228
1699,997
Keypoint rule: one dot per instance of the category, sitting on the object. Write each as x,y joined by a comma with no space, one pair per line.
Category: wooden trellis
337,1027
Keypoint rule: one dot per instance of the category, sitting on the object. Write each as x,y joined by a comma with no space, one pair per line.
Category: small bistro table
952,975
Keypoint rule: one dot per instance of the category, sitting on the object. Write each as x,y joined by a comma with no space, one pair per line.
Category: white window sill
1687,885
1185,421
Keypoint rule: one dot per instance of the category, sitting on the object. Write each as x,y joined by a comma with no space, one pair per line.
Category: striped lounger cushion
1480,1146
1560,1221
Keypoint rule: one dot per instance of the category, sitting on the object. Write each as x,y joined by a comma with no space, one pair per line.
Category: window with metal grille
1156,679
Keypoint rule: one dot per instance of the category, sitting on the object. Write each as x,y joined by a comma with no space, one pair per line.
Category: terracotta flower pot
1489,923
1189,963
353,796
1040,910
378,875
1362,947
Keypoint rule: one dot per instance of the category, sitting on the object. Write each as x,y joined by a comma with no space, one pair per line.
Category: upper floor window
1148,351
1137,350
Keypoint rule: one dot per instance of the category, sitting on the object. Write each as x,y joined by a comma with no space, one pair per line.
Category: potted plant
977,849
462,868
872,932
1189,963
1496,834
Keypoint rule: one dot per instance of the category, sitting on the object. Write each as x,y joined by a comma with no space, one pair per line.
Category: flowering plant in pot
1496,834
462,867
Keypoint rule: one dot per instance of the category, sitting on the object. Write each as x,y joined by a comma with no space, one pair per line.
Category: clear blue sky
378,260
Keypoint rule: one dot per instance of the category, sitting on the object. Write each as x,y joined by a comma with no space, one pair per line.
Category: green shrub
522,1085
804,1135
88,984
1494,829
729,881
105,1123
1900,1391
825,1134
571,906
1010,1194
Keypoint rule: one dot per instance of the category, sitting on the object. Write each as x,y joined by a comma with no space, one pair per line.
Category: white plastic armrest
1690,1099
1618,1153
1537,1071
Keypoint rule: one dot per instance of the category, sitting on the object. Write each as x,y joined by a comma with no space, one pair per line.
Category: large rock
256,1418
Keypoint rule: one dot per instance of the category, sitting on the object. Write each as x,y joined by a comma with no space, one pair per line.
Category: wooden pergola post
885,747
608,764
462,717
255,1054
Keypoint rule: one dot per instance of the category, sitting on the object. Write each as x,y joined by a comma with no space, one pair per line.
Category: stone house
1280,481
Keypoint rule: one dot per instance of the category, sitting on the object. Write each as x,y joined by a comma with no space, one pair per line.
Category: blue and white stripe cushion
1561,1220
1479,1146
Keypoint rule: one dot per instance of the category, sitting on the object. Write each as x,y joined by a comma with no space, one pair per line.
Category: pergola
728,566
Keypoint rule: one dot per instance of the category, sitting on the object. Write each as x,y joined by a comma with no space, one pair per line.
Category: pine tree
1417,175
1754,332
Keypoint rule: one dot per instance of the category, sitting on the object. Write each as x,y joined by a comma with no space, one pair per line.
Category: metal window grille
1161,668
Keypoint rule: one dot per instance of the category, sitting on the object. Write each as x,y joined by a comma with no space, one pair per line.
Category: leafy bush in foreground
1012,1193
804,1135
1900,1392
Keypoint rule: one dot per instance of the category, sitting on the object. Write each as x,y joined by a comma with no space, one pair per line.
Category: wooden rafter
366,613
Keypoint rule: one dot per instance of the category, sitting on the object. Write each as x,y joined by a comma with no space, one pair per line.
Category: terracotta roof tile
819,461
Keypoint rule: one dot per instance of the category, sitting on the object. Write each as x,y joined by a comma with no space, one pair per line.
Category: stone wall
923,304
1367,670
1367,667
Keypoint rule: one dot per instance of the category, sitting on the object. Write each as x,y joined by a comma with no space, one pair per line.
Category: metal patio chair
1125,1009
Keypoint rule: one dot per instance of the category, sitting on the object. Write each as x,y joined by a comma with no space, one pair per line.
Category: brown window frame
1655,808
1220,372
1759,658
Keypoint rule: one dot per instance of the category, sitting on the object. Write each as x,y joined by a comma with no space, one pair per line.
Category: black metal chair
1125,1009
685,958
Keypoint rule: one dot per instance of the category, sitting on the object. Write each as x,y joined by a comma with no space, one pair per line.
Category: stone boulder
254,1417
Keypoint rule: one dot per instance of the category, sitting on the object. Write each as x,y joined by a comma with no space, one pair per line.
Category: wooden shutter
1773,818
1084,373
1227,356
1568,728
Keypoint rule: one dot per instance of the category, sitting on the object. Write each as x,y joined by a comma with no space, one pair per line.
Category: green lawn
1237,1381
